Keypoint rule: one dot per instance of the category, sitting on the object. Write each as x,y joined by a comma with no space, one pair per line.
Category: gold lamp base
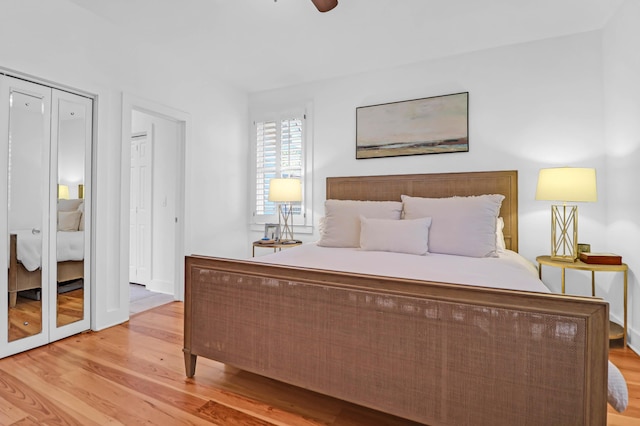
564,233
285,219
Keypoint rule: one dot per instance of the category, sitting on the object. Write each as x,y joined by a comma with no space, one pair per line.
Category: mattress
507,271
70,246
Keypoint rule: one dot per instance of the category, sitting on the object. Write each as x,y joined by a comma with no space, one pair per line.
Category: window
279,146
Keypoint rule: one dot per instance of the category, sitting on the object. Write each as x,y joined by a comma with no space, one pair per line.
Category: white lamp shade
572,184
285,190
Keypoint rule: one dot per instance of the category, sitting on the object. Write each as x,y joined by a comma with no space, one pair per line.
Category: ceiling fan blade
325,5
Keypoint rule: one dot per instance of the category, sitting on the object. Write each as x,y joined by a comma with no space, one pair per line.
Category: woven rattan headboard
436,185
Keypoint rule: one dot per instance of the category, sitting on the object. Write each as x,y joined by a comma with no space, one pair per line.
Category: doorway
152,240
154,176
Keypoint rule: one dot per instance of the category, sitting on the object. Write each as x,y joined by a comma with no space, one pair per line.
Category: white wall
622,140
533,105
58,41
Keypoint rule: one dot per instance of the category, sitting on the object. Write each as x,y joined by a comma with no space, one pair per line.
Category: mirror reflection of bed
25,273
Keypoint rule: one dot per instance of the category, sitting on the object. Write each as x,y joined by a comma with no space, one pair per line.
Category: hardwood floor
134,374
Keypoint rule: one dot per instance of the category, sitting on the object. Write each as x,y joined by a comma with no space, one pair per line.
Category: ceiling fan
325,5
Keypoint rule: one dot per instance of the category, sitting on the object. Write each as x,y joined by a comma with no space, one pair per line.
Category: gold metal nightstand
615,331
277,246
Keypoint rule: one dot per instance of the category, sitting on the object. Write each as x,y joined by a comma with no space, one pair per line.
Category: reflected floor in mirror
25,319
141,299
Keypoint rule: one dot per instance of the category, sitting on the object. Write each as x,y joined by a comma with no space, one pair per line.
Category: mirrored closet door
45,143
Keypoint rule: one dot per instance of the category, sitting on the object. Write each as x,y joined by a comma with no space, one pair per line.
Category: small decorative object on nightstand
582,248
601,258
615,331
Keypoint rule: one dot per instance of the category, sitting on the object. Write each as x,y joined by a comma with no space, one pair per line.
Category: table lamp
63,192
285,191
566,184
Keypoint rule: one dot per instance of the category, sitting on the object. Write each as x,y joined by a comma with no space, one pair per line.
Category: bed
25,247
433,352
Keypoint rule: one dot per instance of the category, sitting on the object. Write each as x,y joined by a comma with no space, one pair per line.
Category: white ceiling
262,44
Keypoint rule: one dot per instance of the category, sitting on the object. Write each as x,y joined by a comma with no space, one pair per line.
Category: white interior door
70,219
25,111
140,208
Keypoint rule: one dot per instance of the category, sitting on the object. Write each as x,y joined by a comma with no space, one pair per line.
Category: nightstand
277,246
615,331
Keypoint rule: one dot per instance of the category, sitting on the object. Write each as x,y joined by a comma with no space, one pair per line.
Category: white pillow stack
463,226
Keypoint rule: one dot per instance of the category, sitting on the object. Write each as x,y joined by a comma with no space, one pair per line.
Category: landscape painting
421,126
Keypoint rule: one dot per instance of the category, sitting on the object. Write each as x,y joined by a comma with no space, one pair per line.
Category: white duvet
70,246
508,271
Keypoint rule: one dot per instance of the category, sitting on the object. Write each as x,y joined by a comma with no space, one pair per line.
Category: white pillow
342,220
501,245
399,236
68,221
464,226
69,205
617,392
81,210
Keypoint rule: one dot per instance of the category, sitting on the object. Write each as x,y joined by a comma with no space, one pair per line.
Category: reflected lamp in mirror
285,191
566,185
63,192
80,191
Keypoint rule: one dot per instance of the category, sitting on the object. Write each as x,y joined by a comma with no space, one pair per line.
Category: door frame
129,104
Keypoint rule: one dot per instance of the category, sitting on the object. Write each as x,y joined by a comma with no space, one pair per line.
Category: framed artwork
271,231
433,125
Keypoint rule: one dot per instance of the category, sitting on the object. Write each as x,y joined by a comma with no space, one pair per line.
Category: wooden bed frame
21,279
439,354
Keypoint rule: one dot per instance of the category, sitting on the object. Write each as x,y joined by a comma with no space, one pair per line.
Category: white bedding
70,246
507,271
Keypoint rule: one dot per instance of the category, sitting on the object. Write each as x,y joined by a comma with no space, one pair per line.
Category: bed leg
13,299
189,363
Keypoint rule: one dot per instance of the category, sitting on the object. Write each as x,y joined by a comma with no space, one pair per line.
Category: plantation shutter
279,154
266,156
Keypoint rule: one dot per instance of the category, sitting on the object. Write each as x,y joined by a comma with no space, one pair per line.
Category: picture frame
272,231
434,125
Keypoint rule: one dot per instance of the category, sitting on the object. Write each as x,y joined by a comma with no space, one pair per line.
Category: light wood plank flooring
134,374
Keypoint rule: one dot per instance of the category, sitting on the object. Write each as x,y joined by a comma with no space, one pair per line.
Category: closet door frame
50,332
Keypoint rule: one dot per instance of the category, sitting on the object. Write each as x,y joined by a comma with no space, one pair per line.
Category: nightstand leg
625,309
540,271
593,283
562,280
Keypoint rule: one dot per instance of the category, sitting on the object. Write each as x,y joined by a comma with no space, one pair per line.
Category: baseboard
160,286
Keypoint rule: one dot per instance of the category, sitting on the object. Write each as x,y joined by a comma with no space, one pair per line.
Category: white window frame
303,223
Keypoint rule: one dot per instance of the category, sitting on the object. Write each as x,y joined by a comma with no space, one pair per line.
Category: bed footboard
435,353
